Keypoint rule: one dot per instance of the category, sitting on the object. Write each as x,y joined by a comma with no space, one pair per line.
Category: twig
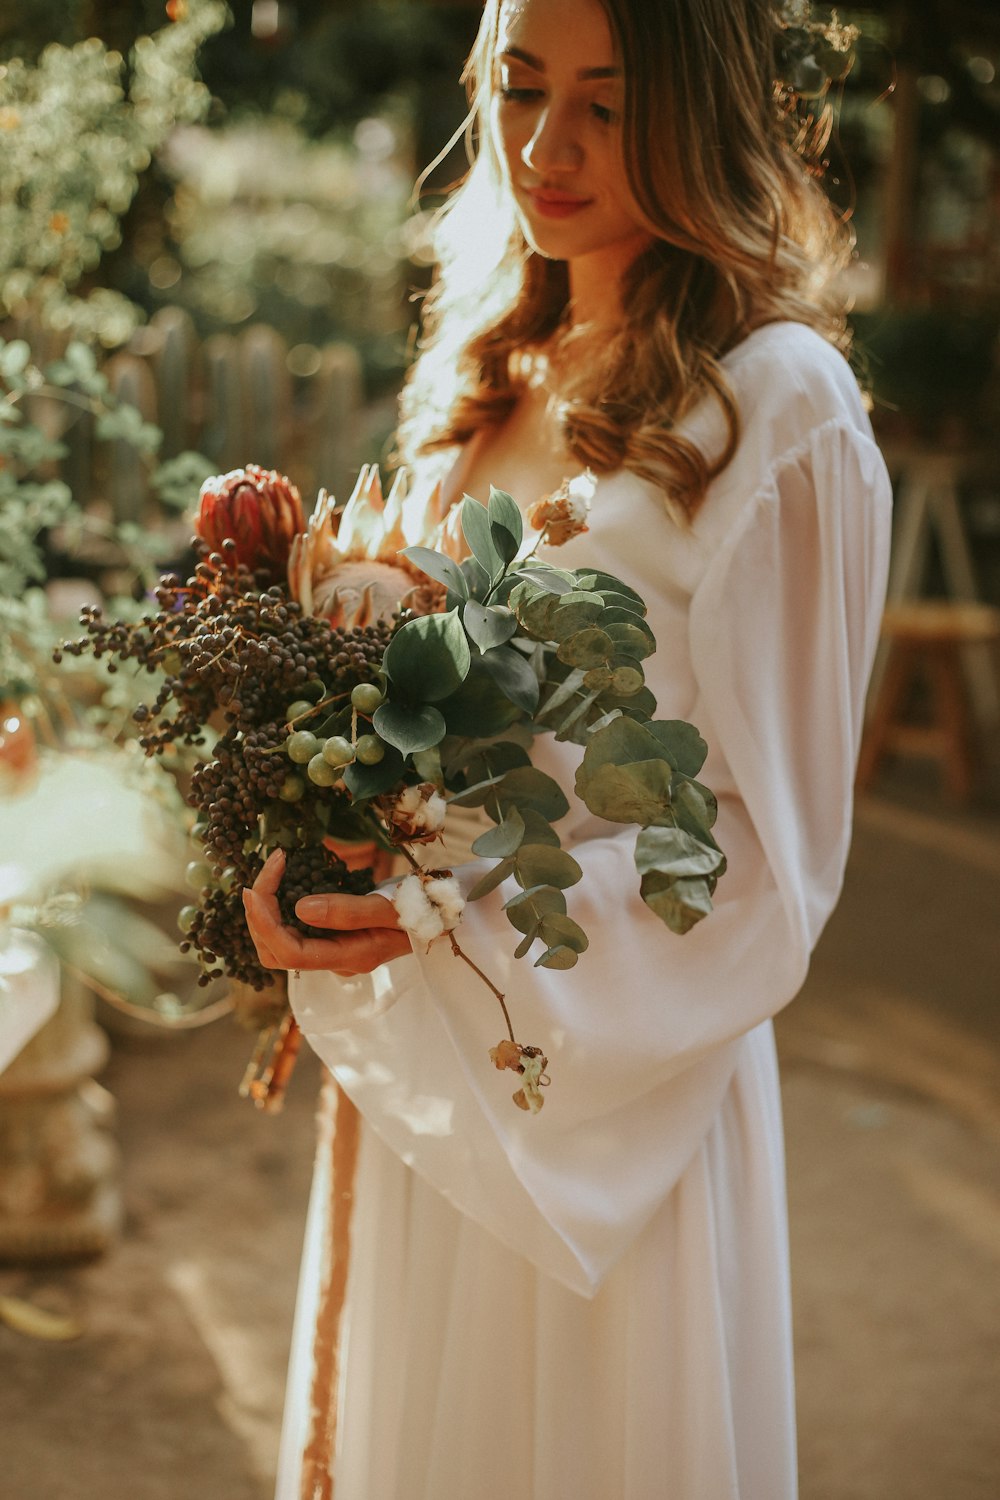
460,953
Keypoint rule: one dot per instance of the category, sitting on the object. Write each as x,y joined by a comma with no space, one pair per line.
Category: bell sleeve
644,1034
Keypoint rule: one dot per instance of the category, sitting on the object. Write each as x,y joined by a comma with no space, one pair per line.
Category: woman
593,1303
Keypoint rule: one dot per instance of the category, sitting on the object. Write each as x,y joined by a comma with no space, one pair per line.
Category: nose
553,146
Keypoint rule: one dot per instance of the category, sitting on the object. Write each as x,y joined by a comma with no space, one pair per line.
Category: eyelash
601,112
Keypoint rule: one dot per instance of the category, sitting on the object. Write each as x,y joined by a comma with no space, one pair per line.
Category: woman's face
556,123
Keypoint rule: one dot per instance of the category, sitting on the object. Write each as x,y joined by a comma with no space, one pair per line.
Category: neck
595,283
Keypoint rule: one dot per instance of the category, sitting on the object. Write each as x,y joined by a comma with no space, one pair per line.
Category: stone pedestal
60,1196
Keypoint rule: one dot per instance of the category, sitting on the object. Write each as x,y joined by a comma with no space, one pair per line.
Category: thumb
346,913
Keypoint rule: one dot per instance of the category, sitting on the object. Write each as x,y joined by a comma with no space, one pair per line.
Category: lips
557,205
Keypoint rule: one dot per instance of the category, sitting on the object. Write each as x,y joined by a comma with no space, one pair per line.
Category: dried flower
530,1063
260,510
563,514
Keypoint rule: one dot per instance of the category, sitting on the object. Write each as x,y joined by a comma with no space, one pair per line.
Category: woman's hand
364,933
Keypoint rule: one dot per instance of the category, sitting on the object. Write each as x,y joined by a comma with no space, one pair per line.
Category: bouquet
346,685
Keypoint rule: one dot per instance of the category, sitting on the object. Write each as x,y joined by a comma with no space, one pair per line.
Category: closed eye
604,114
519,96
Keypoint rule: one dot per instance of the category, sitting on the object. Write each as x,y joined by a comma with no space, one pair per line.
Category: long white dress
593,1303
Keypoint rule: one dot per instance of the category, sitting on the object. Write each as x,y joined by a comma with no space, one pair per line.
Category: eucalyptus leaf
527,787
541,864
524,946
685,748
607,583
635,793
695,806
614,600
503,840
542,575
527,908
633,640
427,764
409,729
514,676
488,625
586,648
626,681
573,726
620,742
679,903
557,929
491,880
442,569
534,609
574,612
506,525
558,957
479,535
428,658
493,760
538,830
675,852
480,707
566,690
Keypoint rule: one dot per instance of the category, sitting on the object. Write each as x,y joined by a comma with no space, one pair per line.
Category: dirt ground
892,1106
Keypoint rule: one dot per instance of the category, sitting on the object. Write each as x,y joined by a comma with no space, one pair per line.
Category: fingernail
311,908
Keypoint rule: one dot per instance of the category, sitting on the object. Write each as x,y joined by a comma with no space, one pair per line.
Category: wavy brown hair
744,235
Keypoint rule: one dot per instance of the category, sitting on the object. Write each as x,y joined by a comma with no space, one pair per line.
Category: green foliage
543,649
78,128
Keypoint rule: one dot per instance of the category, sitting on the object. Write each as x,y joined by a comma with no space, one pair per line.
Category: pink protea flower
259,509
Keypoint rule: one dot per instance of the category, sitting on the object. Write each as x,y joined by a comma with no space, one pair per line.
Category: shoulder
796,394
788,379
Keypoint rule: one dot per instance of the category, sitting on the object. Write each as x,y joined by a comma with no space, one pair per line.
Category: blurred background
211,253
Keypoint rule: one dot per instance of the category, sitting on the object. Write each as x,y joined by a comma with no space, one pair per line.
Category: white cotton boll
410,901
408,800
434,811
417,915
448,899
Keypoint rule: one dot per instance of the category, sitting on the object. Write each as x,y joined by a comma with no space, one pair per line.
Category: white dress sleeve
643,1035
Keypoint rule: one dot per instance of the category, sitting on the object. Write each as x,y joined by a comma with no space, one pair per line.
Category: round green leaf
428,658
636,793
409,729
556,929
556,958
503,840
586,648
527,787
671,851
678,903
684,746
541,864
527,908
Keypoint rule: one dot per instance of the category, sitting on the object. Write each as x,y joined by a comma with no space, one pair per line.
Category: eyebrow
539,66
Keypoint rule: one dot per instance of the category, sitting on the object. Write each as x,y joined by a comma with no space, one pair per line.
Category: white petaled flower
346,566
428,905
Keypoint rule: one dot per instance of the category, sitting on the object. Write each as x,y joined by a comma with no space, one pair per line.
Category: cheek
503,136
